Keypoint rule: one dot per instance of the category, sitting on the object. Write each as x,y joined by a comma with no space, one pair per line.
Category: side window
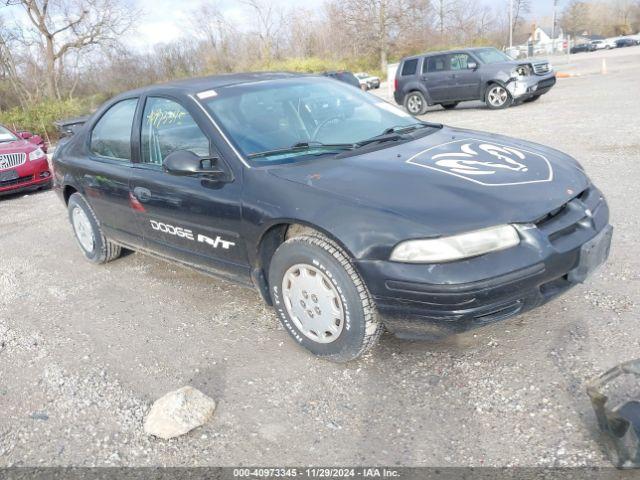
437,63
410,67
167,127
459,61
111,136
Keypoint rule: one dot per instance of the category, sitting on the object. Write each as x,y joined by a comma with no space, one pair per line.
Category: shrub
39,117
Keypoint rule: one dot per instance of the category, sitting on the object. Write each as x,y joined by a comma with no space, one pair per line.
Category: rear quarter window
410,67
111,136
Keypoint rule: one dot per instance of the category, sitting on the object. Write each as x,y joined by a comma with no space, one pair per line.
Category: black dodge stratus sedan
346,213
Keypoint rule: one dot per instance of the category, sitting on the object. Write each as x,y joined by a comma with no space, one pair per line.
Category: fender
67,181
412,87
291,221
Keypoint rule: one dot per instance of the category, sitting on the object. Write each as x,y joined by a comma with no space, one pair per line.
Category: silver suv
447,78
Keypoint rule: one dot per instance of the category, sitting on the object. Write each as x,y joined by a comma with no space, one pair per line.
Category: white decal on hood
485,163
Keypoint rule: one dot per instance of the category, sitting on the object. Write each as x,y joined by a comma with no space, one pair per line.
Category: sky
164,21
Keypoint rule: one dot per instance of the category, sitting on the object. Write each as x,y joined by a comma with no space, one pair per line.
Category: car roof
201,84
444,52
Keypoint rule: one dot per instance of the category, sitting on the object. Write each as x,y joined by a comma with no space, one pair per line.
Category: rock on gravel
179,412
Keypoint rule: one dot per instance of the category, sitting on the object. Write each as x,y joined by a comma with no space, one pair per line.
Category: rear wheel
415,103
498,97
321,300
449,106
95,246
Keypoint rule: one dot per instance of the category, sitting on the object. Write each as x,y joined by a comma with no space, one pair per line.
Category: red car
23,162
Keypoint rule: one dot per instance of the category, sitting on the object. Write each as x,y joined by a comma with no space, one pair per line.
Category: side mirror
183,162
25,135
472,65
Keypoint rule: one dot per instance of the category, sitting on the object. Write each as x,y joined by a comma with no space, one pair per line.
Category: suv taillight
395,83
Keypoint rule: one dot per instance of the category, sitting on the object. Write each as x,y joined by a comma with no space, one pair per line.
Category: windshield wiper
398,132
407,128
385,137
302,147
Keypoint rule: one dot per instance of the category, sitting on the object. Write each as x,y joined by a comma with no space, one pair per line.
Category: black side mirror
472,65
183,162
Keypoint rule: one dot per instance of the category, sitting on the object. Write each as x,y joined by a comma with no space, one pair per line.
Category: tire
86,228
532,99
415,103
449,106
302,300
497,97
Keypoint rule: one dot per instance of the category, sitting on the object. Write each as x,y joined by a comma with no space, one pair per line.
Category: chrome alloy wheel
313,303
414,103
84,230
498,96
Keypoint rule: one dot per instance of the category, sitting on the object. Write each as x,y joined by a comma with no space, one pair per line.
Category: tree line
57,50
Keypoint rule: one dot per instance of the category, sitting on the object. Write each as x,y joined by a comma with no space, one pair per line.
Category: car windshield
492,55
7,135
285,121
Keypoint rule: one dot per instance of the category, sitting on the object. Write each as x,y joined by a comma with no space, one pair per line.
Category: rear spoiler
70,126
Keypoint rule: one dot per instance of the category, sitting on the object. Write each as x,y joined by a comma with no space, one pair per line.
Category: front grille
12,160
560,223
16,181
541,68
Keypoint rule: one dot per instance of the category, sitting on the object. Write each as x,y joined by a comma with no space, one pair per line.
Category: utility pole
510,24
553,27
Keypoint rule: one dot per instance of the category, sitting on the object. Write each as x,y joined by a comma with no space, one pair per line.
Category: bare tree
575,17
378,23
520,9
61,27
444,9
218,34
9,68
269,22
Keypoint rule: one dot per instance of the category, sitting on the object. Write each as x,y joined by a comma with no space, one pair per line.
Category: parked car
583,47
367,82
23,162
344,76
626,42
344,212
610,43
447,78
599,45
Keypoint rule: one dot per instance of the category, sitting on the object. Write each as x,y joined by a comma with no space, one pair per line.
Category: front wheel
498,97
321,299
415,103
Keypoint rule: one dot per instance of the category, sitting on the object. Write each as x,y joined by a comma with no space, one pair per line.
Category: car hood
17,146
453,178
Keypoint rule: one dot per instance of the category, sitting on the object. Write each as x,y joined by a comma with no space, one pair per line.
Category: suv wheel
415,103
95,246
321,300
498,97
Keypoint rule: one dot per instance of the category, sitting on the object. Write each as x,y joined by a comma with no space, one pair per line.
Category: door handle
142,194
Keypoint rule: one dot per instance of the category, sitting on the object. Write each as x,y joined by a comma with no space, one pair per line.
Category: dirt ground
85,350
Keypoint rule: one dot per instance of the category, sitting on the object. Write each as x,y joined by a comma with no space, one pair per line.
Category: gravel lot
85,350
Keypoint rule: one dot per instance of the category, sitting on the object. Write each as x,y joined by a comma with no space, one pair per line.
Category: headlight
36,154
456,247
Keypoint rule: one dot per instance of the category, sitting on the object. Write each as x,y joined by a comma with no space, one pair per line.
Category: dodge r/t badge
486,163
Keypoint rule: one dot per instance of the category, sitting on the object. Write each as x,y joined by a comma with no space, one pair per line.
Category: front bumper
531,86
556,253
30,176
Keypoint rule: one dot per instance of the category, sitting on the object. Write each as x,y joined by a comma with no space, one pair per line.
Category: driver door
192,219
